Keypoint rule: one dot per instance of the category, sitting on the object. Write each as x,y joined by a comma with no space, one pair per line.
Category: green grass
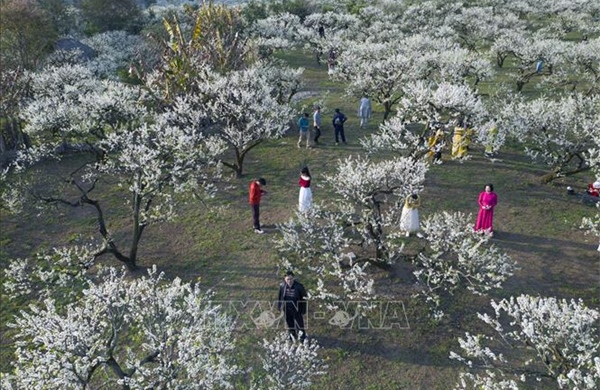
537,227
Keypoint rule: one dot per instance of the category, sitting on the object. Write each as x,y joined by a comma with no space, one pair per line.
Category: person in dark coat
338,126
292,299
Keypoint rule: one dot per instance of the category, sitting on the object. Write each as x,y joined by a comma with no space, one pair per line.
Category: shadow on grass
534,244
386,350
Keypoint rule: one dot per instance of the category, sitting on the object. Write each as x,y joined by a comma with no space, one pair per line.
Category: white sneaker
259,231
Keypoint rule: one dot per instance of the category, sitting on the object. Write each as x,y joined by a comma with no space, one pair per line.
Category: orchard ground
536,224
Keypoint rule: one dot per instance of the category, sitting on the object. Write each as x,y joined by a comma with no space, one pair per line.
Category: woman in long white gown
409,219
305,196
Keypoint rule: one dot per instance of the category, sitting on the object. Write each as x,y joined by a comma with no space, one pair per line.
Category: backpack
339,120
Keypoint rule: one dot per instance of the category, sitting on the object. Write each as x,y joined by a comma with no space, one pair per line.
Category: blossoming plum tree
421,104
557,132
109,329
181,338
340,241
151,158
556,341
290,365
245,109
381,70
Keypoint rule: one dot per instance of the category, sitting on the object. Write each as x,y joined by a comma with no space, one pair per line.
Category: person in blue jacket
303,129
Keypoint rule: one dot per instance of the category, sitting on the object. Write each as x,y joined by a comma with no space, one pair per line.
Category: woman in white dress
409,219
305,196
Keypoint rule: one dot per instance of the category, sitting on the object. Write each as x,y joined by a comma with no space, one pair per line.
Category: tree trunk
238,167
137,228
238,172
388,109
500,60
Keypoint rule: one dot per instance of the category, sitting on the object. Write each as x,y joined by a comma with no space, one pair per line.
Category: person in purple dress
487,201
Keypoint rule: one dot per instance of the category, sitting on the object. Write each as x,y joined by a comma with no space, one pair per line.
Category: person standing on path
303,129
487,201
256,192
338,125
364,110
292,299
305,195
317,123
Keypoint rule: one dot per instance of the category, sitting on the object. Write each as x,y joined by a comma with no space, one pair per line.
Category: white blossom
179,338
561,335
457,256
559,132
290,364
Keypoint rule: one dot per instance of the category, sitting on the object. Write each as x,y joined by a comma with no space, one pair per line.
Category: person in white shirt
317,123
364,110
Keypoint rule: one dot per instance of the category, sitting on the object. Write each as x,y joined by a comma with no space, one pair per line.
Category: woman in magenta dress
487,201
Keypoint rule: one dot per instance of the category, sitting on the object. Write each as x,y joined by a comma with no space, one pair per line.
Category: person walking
305,195
256,192
292,299
409,219
338,126
487,201
303,130
364,110
317,124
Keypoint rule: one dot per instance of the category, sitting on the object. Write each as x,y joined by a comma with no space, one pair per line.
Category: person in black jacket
292,299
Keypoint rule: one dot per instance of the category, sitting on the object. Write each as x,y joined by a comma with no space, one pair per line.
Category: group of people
337,121
292,294
409,217
462,134
257,190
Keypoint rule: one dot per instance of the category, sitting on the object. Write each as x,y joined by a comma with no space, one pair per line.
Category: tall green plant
216,39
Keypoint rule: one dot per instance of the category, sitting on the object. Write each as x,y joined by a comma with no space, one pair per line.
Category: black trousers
339,130
317,133
294,321
256,215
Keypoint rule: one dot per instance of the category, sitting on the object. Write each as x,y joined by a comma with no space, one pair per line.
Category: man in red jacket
256,191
